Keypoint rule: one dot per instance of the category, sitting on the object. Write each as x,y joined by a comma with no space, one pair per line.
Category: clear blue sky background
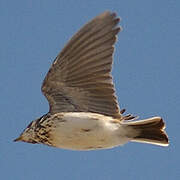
146,75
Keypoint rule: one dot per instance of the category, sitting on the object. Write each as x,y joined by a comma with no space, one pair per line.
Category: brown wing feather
80,79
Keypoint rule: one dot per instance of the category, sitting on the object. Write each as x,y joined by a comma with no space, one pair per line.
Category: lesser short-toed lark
84,112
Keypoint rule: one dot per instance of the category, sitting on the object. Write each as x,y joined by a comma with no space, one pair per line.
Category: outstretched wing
80,79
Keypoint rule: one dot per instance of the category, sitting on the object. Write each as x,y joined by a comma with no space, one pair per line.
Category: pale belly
87,131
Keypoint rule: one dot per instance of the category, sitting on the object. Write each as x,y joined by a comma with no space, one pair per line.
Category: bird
84,113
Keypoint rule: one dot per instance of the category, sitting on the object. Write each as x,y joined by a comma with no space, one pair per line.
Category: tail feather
150,131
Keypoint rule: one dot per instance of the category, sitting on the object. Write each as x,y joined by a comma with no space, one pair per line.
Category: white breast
86,131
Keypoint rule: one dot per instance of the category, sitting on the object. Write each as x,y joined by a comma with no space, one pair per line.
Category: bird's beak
18,139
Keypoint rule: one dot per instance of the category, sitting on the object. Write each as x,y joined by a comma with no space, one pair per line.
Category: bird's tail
149,131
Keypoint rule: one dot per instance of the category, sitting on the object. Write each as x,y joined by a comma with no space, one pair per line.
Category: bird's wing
80,78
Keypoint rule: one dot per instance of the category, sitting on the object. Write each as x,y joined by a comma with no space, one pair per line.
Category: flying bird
83,109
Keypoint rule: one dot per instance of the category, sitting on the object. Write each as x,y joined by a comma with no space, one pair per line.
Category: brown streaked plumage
84,113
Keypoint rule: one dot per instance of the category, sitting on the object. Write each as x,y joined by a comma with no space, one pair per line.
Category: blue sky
146,75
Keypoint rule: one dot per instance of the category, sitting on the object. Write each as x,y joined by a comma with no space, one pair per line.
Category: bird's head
29,134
